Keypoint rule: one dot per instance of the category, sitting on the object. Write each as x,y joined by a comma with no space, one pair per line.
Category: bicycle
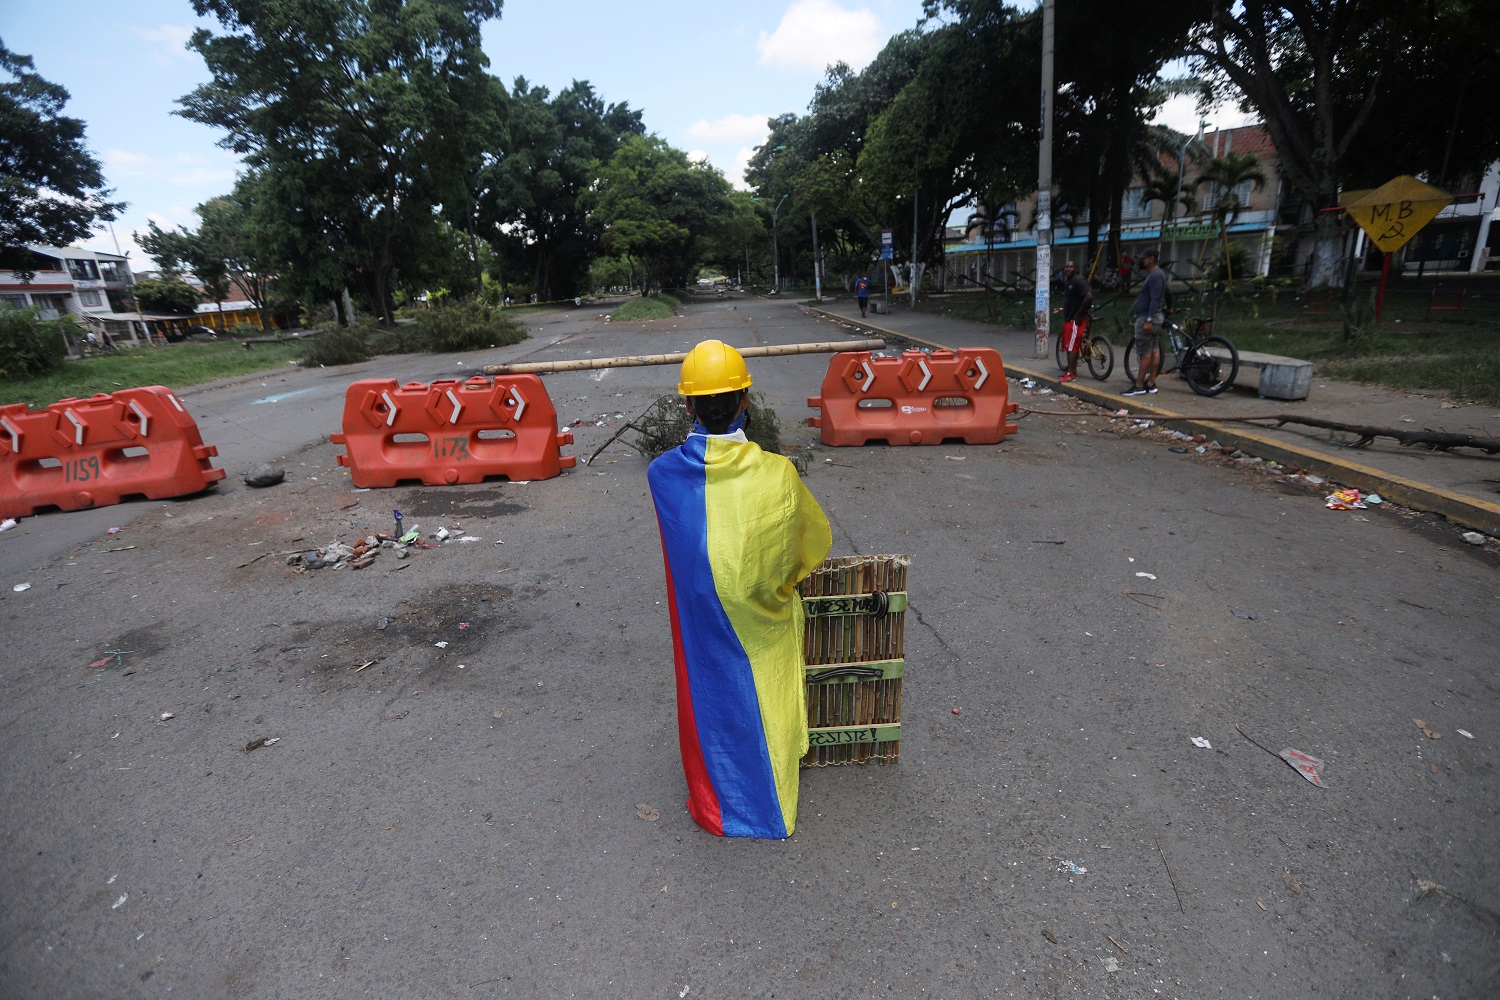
1095,351
1209,363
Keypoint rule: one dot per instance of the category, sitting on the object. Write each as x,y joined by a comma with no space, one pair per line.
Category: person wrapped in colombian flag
738,532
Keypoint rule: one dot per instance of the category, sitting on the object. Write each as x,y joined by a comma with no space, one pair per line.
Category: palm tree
1166,187
1226,174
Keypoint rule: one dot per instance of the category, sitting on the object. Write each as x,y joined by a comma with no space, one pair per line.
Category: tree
655,205
51,188
1318,72
359,117
166,295
184,250
1225,175
530,190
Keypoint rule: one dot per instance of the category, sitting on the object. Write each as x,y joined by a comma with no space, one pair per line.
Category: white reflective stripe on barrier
143,416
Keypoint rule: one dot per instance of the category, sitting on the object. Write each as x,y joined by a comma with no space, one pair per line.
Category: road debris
1420,724
1473,537
648,813
1149,576
1049,935
1310,768
263,475
1344,500
1249,616
1200,742
21,588
264,741
1170,877
341,555
1466,734
1430,888
7,524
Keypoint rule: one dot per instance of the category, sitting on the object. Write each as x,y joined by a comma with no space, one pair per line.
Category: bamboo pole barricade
636,361
854,648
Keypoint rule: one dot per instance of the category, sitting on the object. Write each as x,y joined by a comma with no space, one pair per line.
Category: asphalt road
461,821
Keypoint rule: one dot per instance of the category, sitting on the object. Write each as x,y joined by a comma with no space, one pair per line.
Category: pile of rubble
340,555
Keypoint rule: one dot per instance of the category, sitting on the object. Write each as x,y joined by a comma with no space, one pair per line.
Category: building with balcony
1271,231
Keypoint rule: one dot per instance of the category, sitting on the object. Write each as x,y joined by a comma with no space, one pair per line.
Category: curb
1470,512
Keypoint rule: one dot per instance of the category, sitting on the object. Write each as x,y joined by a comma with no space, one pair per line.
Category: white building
90,286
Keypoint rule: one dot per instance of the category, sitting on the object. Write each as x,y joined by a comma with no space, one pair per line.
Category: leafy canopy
51,188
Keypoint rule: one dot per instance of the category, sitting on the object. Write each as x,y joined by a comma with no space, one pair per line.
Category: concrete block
1287,379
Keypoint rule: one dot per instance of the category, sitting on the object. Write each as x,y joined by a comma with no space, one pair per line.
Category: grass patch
637,309
175,366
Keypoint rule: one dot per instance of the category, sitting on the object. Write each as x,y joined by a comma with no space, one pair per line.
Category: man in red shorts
1078,296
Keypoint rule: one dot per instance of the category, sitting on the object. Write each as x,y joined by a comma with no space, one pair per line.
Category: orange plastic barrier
918,398
451,431
94,452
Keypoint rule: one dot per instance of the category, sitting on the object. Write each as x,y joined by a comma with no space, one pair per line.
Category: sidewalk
1462,485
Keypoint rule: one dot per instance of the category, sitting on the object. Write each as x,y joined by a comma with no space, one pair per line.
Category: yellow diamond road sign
1394,212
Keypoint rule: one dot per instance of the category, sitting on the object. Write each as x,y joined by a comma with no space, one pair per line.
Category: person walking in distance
1078,296
739,531
862,293
1150,313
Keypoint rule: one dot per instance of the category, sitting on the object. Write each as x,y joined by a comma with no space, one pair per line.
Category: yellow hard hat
711,368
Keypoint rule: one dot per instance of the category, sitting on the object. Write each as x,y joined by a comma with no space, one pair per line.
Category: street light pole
1181,166
775,251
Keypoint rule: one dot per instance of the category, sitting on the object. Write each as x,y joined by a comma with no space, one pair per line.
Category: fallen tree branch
1438,440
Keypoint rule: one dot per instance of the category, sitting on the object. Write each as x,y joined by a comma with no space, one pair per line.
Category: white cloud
736,173
223,177
814,34
168,42
730,128
1181,113
125,158
697,156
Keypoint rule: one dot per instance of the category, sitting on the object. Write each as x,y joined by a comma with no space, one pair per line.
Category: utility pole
1044,185
817,264
916,193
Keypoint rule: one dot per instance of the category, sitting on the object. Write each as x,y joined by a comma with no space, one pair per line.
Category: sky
706,74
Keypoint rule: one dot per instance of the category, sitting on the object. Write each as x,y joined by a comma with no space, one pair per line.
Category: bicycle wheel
1210,366
1060,355
1101,358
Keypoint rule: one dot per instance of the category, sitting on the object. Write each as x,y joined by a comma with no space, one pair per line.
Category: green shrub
340,345
466,326
636,309
29,346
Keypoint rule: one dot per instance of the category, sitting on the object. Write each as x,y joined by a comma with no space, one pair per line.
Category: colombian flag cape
738,531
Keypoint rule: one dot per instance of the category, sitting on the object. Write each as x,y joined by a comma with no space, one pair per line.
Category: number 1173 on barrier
451,447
